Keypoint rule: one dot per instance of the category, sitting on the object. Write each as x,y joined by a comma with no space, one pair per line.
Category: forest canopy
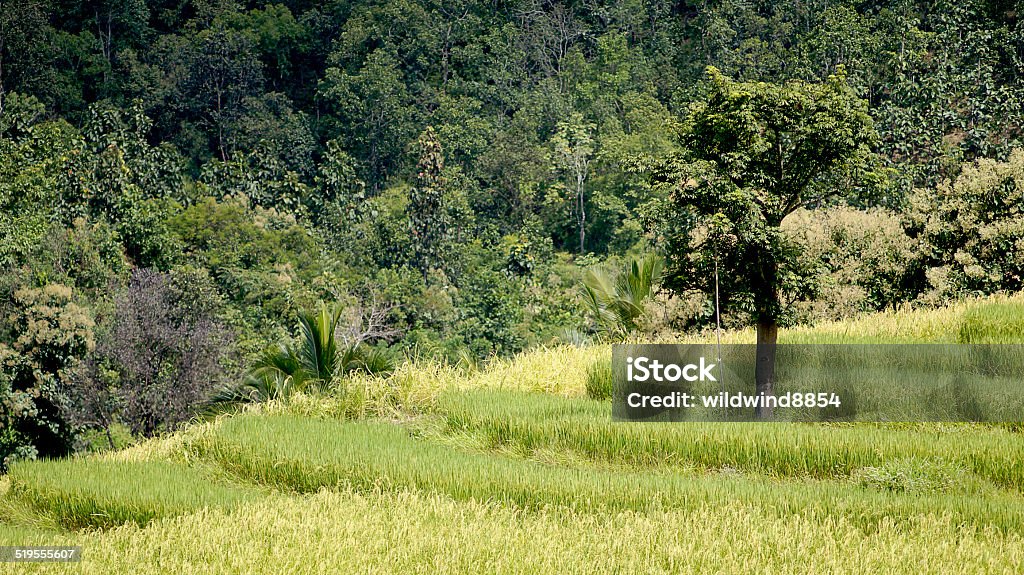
438,178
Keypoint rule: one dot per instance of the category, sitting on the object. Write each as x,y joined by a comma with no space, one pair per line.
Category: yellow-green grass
306,455
417,533
530,422
79,493
993,321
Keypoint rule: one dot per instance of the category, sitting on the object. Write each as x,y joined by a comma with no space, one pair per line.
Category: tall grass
996,321
582,426
905,324
306,455
80,493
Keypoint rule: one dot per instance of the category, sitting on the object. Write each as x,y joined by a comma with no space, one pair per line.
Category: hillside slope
513,469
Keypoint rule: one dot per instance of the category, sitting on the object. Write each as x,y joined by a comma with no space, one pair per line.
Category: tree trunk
764,371
582,210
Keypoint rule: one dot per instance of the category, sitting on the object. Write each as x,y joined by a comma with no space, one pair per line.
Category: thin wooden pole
718,333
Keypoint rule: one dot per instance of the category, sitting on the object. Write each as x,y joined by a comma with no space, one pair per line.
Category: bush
972,230
616,299
865,260
325,351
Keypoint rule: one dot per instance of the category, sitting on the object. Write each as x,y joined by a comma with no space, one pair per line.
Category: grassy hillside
514,469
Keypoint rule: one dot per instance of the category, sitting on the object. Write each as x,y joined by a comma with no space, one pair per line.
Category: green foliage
972,229
616,300
261,259
428,209
374,111
489,305
49,329
572,147
268,152
316,361
756,153
49,334
18,113
862,260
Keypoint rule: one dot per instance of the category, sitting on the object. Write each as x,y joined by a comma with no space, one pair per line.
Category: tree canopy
755,153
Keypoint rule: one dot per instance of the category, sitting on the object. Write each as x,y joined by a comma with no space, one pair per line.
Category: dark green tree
755,153
427,210
374,112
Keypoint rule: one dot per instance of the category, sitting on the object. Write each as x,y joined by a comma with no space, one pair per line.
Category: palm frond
616,299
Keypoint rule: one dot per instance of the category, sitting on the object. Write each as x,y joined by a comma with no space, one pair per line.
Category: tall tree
428,214
573,147
755,153
375,113
223,69
23,44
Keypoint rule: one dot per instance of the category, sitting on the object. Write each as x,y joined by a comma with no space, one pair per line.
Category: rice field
415,532
513,469
77,494
536,422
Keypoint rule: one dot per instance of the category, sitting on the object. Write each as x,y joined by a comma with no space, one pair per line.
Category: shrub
865,260
972,230
616,299
158,360
316,360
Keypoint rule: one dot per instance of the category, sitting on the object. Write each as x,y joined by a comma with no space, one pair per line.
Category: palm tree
313,362
616,298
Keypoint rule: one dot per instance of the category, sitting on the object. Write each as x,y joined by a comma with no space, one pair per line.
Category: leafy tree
268,125
223,69
48,334
573,147
489,304
375,112
24,54
280,36
263,261
971,230
427,209
755,153
159,359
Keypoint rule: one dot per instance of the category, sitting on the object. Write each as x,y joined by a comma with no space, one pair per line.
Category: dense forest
183,181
